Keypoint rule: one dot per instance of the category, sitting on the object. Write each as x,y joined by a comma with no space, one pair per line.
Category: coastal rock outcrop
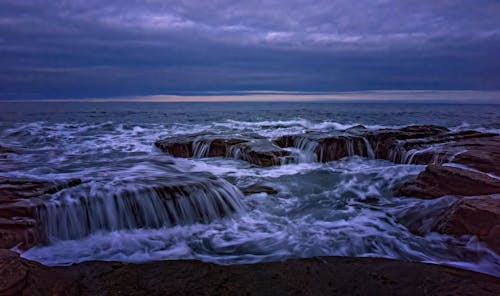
476,215
459,163
472,174
313,276
440,180
19,225
482,154
260,152
418,144
327,147
256,150
13,273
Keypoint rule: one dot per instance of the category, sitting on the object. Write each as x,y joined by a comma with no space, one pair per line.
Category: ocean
338,208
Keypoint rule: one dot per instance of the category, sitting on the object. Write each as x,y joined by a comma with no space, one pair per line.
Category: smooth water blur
346,207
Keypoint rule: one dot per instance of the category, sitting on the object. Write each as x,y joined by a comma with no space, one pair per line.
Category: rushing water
122,210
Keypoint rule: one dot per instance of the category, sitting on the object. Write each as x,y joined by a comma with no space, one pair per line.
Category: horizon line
462,96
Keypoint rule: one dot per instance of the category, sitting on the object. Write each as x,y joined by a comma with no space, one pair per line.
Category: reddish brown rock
473,149
313,276
418,144
327,147
385,141
476,215
256,150
389,144
181,146
439,180
482,154
261,152
13,273
18,225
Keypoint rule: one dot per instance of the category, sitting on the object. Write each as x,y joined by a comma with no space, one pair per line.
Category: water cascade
75,214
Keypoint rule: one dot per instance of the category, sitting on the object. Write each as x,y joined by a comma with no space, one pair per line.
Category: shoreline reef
461,164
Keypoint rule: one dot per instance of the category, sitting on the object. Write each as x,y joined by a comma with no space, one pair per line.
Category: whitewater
138,204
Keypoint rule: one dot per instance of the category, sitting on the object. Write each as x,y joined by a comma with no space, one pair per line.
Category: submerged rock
438,180
19,225
5,150
474,215
259,188
312,276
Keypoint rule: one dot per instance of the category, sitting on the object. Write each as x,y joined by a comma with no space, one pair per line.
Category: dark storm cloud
107,48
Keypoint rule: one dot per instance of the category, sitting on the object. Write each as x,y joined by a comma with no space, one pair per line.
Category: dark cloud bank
75,49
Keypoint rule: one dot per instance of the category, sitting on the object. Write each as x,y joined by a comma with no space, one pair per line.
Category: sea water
340,208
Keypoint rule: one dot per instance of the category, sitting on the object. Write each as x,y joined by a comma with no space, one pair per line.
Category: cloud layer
63,48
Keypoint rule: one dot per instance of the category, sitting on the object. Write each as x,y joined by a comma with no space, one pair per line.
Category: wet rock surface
482,154
18,224
256,150
259,188
4,151
476,215
472,171
439,180
314,276
418,144
261,152
474,156
459,163
180,146
421,144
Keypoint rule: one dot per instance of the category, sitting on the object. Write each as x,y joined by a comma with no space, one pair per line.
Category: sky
99,49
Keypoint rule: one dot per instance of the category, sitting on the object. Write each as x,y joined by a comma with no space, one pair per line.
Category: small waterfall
452,157
349,146
409,155
76,214
369,150
234,151
306,149
400,155
201,148
397,153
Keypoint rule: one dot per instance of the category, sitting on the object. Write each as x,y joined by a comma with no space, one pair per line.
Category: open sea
338,208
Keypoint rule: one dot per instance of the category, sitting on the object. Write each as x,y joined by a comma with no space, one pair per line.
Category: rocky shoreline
463,164
313,276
